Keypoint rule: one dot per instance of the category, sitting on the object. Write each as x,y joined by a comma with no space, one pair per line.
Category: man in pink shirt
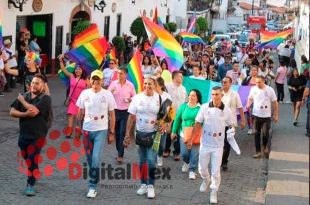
123,91
280,79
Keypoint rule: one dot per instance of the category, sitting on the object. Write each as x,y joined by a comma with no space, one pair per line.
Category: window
107,27
118,24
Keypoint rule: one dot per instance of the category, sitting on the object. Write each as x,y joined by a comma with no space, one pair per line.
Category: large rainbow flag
135,73
89,34
89,55
164,45
191,38
273,39
205,87
62,75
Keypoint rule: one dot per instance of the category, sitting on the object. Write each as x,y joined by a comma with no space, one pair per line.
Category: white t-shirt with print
97,107
233,101
262,100
146,109
214,121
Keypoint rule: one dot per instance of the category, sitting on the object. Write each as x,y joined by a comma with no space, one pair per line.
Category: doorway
81,15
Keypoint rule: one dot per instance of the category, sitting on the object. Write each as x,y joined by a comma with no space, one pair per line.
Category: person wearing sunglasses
109,72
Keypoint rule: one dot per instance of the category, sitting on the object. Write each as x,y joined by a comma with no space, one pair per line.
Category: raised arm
62,66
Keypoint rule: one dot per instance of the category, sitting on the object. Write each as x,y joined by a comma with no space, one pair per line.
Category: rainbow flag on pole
273,39
192,24
164,45
89,55
135,73
191,38
89,34
156,18
62,75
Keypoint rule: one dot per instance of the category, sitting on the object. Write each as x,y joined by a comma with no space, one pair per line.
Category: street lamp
133,2
100,6
17,4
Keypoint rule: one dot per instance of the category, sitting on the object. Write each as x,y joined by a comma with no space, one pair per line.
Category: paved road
243,183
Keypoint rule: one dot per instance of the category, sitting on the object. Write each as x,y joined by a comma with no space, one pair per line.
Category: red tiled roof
247,6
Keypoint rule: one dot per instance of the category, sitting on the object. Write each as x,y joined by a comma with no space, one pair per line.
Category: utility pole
252,7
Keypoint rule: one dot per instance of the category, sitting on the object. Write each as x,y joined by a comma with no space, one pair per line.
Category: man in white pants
214,116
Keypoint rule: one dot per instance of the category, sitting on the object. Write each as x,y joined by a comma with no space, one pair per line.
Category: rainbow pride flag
212,38
89,55
272,39
112,54
62,75
89,34
164,45
267,36
192,24
135,73
191,38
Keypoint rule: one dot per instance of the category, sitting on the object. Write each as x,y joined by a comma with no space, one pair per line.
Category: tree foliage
201,25
119,44
171,27
81,26
137,29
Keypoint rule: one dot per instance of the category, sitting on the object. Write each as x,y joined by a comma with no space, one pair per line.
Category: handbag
68,98
187,133
145,139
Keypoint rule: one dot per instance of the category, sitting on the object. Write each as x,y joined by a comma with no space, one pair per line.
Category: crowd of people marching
101,108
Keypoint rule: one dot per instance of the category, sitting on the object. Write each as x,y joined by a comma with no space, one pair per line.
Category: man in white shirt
233,101
178,94
97,112
242,56
263,98
214,117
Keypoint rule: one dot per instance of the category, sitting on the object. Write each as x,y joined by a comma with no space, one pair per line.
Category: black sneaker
1,94
295,123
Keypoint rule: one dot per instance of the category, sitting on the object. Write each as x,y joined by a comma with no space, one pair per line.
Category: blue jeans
147,157
190,156
120,128
24,144
93,145
162,145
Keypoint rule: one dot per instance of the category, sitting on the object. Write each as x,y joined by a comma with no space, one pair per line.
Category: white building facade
52,20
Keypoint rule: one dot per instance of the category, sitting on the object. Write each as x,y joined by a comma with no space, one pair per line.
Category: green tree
119,44
171,27
137,29
201,26
81,26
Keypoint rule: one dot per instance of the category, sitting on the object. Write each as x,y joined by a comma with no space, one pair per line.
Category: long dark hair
161,82
198,94
83,75
146,56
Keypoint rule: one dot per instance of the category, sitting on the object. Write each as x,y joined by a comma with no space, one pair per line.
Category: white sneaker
91,193
213,197
192,175
159,161
185,167
142,190
250,131
204,185
150,192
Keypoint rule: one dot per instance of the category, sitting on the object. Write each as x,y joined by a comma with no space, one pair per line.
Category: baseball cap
7,42
97,73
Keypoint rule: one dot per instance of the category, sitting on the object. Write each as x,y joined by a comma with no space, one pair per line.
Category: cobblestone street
243,183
